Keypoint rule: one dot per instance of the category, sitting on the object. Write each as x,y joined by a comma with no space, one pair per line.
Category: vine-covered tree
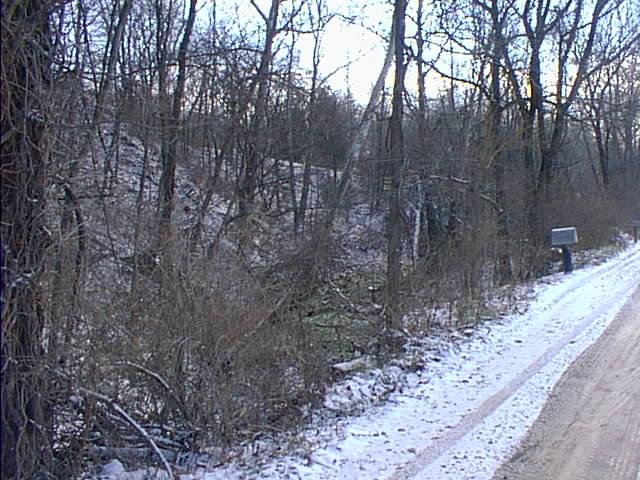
27,434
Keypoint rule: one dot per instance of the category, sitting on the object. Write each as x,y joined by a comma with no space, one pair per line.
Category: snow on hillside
360,232
454,404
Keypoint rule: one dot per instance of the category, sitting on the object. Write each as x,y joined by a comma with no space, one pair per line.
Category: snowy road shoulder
462,416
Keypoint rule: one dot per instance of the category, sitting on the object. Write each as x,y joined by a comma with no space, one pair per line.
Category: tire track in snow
605,275
590,428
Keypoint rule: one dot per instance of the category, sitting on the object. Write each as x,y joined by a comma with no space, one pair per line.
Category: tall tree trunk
534,123
396,157
249,183
230,139
602,143
418,251
169,157
322,236
551,149
292,151
422,95
311,121
72,209
163,22
503,272
26,395
361,133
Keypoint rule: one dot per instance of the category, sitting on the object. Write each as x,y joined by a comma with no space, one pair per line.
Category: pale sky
362,45
358,46
343,43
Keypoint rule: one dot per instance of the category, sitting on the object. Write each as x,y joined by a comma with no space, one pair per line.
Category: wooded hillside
197,223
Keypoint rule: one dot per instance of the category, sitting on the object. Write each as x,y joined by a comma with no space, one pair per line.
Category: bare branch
120,411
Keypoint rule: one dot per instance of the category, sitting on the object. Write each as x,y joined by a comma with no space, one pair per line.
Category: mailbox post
636,226
563,237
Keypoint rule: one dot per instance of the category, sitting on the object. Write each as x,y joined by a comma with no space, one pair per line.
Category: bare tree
247,190
318,19
498,17
170,146
397,157
26,389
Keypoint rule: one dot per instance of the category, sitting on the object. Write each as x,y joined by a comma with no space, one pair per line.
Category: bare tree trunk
602,144
249,184
422,133
322,236
109,66
291,145
361,133
536,117
551,150
221,156
503,273
418,227
72,208
422,96
168,160
137,224
397,156
26,420
308,157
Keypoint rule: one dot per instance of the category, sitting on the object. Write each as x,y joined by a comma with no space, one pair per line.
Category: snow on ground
466,411
461,416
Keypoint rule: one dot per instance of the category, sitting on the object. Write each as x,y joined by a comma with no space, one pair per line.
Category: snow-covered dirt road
590,427
463,415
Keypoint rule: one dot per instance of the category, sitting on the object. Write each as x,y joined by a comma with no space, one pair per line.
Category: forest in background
196,224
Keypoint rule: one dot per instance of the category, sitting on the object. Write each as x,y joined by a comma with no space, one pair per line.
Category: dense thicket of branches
26,425
194,217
